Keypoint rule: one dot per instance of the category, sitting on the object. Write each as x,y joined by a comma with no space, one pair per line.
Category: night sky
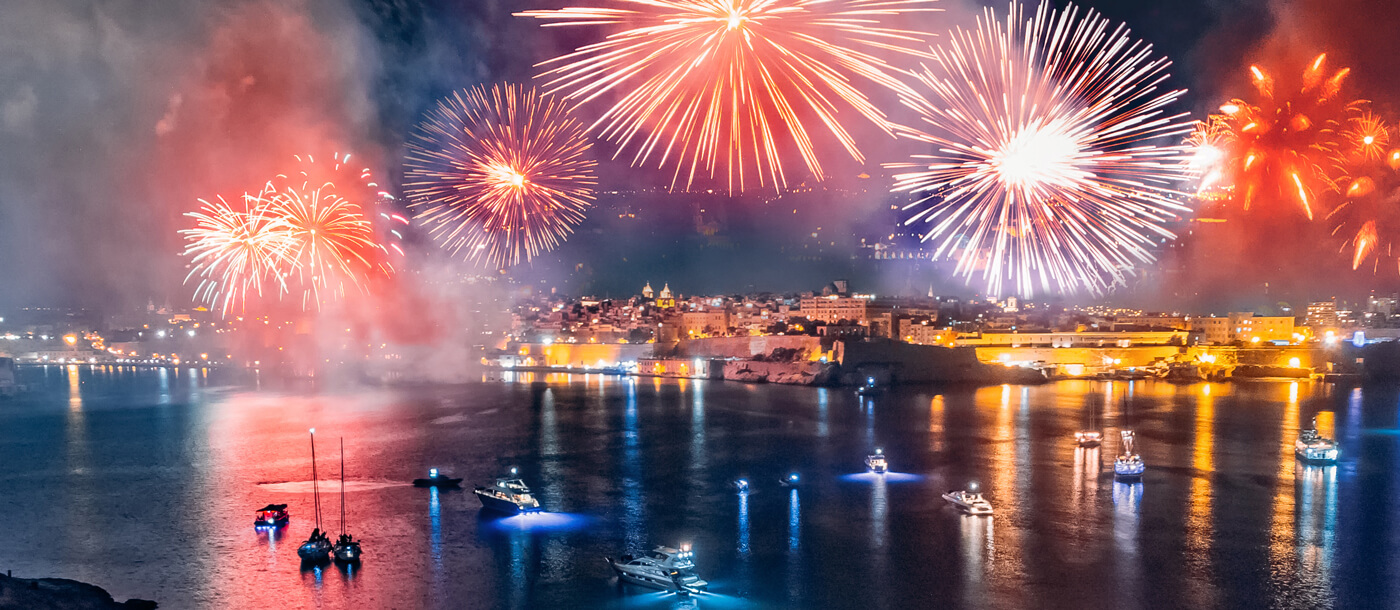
116,115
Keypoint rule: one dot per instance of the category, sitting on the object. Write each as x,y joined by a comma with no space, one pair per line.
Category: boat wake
305,487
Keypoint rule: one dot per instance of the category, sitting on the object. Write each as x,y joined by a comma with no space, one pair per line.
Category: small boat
792,480
740,485
508,495
663,568
1313,448
437,479
876,462
271,516
347,548
1088,438
317,548
969,501
1128,466
870,388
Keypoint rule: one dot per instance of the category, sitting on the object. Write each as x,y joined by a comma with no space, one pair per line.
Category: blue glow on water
889,477
541,522
794,521
435,519
743,524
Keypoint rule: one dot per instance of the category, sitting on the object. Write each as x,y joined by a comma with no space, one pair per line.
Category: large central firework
1044,172
500,175
727,88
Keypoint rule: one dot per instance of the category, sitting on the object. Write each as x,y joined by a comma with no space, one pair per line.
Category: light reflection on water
640,464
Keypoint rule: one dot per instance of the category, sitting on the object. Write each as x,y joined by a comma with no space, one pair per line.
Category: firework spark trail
1044,172
233,252
727,86
1367,216
1279,148
500,175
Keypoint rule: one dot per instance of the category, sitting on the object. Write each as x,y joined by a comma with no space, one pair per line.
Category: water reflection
633,508
978,546
794,547
743,525
1316,534
822,429
1127,518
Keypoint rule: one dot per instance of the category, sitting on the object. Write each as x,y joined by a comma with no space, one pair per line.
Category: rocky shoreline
60,594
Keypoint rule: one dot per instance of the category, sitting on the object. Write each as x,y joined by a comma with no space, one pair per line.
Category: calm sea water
144,482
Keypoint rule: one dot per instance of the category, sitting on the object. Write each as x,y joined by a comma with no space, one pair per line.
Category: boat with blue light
664,568
1313,448
877,463
791,480
508,495
437,479
271,516
1128,466
740,485
871,387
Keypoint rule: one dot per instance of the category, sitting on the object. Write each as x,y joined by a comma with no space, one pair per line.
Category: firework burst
1044,172
499,175
1368,186
725,88
234,252
1278,149
335,249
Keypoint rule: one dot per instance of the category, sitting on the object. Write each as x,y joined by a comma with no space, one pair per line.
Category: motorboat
969,501
871,387
1128,466
508,495
1088,438
317,548
791,480
347,549
663,568
876,462
271,516
1313,448
740,485
437,479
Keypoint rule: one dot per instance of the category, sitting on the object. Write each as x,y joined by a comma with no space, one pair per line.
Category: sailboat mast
342,485
315,488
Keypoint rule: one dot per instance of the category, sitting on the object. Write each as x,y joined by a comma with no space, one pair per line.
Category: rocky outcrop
790,373
60,594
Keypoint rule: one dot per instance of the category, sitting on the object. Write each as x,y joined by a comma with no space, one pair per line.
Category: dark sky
115,115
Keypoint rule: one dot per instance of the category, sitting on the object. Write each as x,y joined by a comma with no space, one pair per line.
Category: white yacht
1313,448
876,462
663,568
508,495
969,501
1128,466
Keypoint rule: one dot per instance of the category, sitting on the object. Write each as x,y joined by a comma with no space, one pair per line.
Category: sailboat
347,549
1091,436
317,548
1128,466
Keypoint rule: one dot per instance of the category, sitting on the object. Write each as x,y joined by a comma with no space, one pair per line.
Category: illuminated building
1322,314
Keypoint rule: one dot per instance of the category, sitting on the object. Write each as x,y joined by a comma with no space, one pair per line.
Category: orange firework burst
1369,189
1278,148
728,87
234,251
500,174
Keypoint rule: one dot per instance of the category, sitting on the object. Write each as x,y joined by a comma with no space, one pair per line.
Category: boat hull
347,554
438,482
968,509
505,507
1318,458
653,581
314,553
